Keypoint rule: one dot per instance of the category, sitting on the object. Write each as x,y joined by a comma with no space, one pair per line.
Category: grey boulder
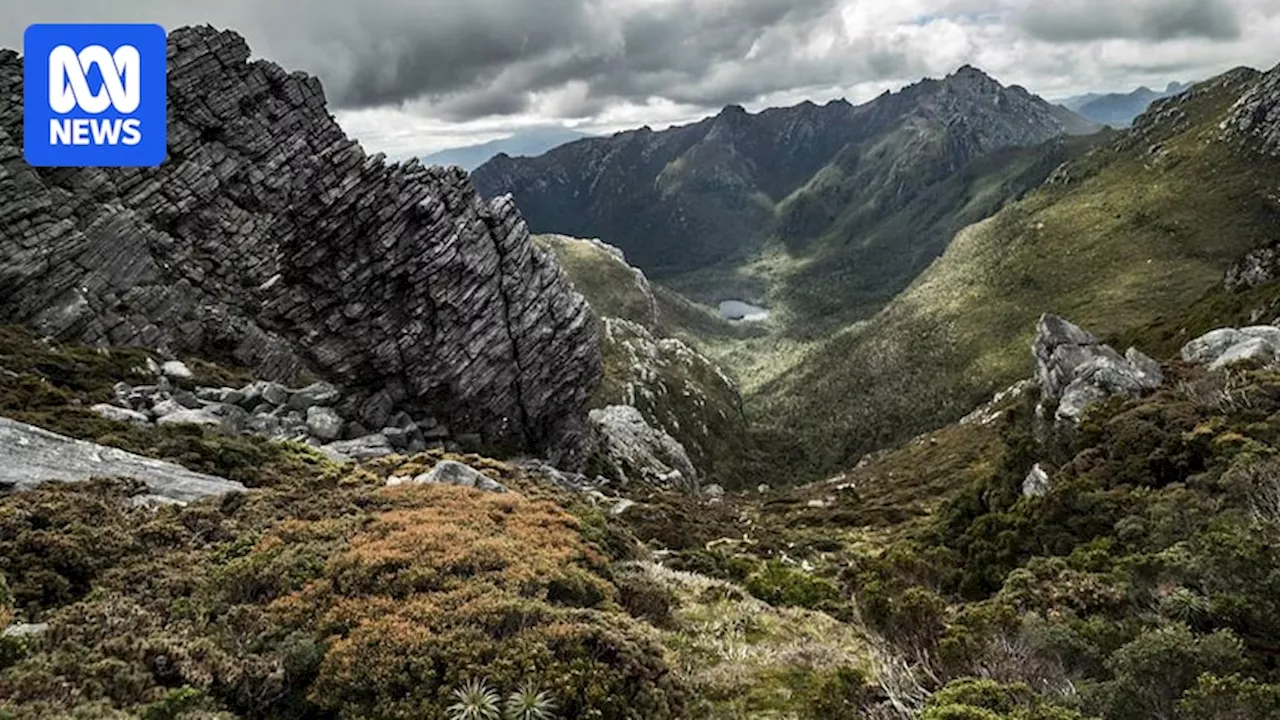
177,370
324,423
166,407
33,456
1253,351
190,417
636,451
365,448
1225,347
320,393
119,414
451,472
1211,346
1037,482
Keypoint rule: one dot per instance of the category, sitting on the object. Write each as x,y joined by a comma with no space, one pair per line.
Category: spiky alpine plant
476,701
530,703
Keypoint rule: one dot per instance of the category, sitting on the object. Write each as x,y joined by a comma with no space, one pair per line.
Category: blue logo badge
94,95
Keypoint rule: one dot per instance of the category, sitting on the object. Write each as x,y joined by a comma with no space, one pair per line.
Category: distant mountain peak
970,71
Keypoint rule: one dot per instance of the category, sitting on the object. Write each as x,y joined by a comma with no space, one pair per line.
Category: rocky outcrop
677,390
1227,347
1075,371
33,456
271,239
1256,116
1259,267
634,451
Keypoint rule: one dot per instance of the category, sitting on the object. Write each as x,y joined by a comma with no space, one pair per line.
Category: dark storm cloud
473,58
1158,20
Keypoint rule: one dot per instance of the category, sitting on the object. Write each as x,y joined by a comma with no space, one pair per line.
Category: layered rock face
271,239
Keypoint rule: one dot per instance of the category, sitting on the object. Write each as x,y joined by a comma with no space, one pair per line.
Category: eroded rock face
1075,371
270,237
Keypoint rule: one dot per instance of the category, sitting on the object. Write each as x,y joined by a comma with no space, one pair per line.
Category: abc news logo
69,89
94,95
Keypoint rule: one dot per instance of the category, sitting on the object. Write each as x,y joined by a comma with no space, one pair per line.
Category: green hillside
1115,240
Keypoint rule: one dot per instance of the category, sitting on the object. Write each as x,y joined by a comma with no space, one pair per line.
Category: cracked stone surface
271,239
30,456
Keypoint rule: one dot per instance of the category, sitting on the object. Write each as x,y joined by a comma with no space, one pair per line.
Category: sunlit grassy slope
1132,232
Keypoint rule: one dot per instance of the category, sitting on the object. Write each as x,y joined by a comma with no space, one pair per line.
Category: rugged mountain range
1120,109
816,178
270,239
534,141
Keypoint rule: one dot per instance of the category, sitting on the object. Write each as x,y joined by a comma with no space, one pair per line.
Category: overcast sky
408,76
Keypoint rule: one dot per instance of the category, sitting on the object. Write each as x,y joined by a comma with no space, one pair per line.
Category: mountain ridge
719,191
523,143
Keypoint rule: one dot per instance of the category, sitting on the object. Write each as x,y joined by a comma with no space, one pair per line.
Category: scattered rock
713,491
1259,267
323,423
1037,482
321,393
365,448
451,472
25,630
190,417
177,370
34,456
119,414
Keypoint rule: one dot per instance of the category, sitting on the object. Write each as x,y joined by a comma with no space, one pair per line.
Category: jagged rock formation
271,239
1075,371
677,390
33,456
